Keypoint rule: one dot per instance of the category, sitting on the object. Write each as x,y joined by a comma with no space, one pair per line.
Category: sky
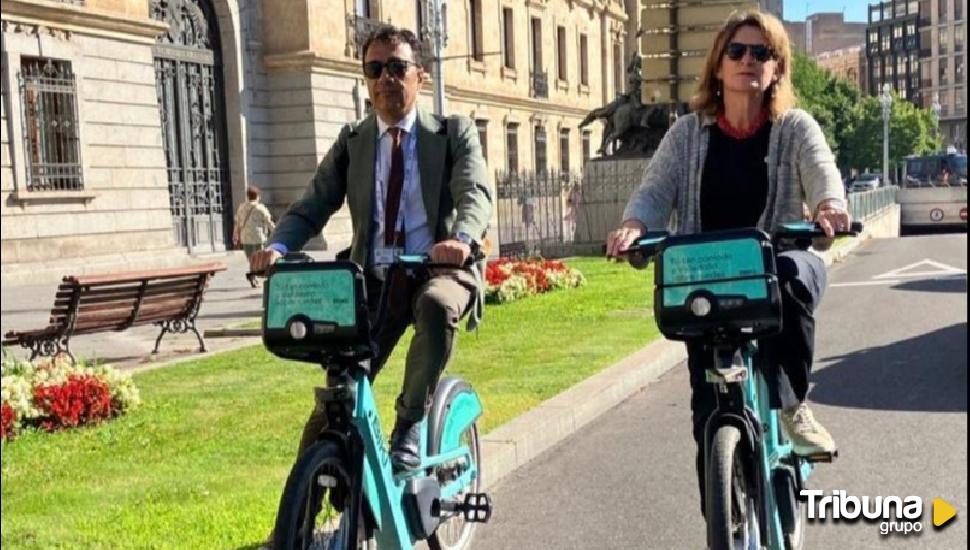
796,10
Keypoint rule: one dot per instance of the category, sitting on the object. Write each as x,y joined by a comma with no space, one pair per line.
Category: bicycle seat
312,310
720,287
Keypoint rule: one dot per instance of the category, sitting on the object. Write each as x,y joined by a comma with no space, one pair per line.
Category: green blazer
454,185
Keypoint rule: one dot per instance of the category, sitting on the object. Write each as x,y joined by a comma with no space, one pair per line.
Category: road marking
865,283
939,270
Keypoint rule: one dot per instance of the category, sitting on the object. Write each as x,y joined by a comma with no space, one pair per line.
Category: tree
912,130
853,125
831,101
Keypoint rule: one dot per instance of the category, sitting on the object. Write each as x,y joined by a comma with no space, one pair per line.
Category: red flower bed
509,280
82,399
7,418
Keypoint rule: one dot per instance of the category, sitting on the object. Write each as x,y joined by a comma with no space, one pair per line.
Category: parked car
866,182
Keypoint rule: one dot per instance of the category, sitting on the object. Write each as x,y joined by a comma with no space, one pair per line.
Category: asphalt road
890,383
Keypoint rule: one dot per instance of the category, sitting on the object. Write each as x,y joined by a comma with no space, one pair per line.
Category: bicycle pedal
477,508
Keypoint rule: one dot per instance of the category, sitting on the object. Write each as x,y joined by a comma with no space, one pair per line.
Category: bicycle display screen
326,297
689,267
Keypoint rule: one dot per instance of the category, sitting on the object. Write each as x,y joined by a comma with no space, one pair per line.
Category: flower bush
56,394
509,280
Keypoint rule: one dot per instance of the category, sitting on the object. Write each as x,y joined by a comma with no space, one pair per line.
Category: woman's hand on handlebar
832,218
619,240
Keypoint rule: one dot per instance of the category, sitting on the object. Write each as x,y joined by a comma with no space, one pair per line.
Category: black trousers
788,355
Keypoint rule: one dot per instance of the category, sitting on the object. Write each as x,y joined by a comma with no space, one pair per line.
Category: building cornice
502,100
80,20
308,60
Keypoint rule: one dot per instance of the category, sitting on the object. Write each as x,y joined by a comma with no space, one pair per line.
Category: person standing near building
253,226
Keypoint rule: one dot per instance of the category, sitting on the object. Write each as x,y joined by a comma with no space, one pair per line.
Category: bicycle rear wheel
311,509
732,516
454,533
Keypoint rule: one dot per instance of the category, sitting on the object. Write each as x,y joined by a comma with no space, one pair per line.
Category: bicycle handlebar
646,246
405,260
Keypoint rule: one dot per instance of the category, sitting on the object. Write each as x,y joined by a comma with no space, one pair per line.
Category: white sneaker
808,437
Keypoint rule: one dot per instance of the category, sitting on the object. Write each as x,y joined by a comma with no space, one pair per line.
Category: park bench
169,298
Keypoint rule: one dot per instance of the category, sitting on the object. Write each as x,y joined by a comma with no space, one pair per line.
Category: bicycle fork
737,389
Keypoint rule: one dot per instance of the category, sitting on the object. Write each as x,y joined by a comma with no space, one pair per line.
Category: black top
734,185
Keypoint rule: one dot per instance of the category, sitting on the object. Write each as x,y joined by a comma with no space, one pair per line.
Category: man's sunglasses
761,53
395,67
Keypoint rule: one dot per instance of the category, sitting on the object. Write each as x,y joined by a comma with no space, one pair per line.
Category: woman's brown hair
779,97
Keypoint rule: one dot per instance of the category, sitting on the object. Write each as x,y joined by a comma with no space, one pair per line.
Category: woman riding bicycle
746,158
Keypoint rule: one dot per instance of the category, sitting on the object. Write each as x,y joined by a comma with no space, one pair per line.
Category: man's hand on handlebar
262,259
619,240
451,251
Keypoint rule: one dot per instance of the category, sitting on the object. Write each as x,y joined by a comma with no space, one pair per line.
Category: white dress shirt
418,237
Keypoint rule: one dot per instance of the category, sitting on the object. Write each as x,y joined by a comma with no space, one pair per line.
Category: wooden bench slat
183,289
121,277
107,311
117,301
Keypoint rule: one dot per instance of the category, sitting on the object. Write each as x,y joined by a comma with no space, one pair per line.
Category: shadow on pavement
925,373
948,284
243,315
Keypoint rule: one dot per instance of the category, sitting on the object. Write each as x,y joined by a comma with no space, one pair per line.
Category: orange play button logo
942,512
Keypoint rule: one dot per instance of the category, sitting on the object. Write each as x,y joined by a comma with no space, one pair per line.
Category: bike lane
889,382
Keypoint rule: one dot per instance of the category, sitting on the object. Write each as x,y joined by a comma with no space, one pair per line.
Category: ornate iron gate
189,80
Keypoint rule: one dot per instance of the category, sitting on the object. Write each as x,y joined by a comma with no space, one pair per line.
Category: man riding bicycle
415,184
746,158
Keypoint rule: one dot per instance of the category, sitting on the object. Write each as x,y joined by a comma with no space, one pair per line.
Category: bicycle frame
761,430
384,491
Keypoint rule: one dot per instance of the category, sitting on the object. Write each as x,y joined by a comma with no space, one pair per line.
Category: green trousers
435,307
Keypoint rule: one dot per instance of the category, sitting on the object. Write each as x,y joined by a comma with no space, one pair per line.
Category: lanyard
410,169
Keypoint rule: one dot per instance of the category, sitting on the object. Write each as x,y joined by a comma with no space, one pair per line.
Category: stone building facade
846,63
943,73
131,128
825,32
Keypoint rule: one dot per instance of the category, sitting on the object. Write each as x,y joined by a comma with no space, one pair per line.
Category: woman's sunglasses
760,52
395,67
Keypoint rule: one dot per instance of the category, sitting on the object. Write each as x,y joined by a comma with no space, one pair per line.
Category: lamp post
436,11
937,109
886,100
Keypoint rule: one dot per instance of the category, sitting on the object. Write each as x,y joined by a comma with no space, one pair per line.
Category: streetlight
886,100
436,11
937,109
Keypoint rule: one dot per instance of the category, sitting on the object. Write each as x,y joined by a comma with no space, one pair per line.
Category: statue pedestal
607,186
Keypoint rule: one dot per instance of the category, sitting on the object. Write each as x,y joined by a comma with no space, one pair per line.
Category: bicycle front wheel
732,516
316,494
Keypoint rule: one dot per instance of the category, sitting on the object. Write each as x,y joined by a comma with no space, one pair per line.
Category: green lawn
201,463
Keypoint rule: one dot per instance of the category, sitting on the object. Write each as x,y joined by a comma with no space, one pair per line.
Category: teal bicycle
342,493
721,289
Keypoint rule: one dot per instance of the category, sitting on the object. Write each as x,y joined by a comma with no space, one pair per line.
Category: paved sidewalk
229,301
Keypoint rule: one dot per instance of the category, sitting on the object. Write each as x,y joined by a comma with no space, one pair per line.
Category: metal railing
554,214
48,99
866,204
358,29
540,85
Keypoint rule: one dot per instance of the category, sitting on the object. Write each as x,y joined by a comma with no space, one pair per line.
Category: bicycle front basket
717,284
312,307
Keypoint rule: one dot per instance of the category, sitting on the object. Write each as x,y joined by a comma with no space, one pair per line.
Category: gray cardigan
801,169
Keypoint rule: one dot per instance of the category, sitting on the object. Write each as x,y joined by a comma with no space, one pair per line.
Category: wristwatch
463,237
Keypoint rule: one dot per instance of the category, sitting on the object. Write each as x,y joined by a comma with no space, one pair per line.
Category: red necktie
395,185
